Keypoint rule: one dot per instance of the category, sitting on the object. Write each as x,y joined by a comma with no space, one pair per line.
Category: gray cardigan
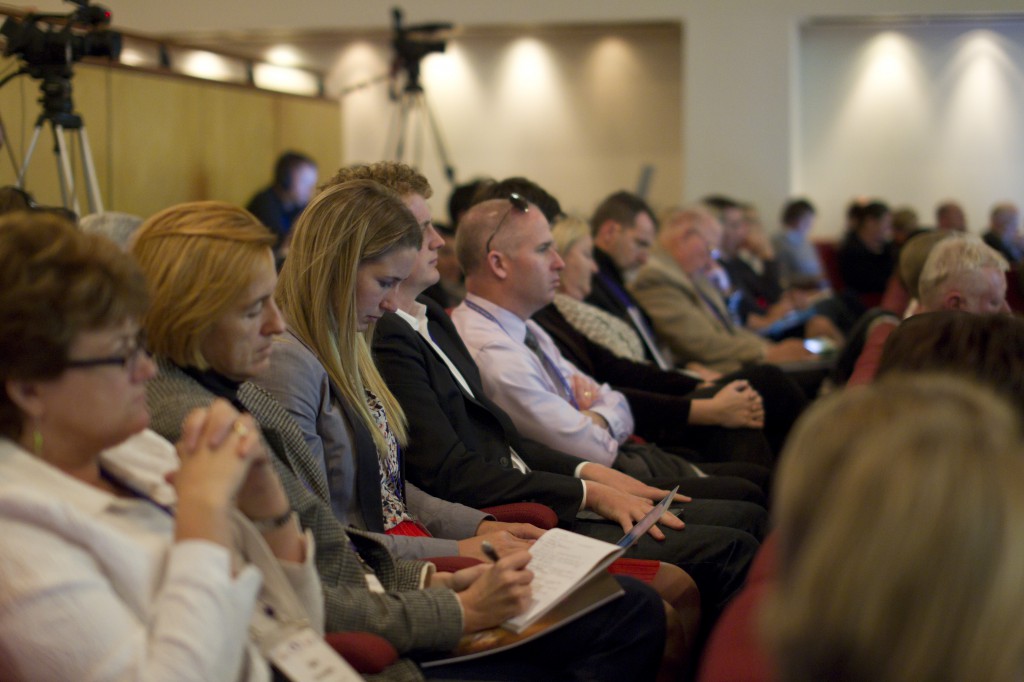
348,456
412,619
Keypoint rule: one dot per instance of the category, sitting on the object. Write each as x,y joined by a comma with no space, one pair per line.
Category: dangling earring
37,441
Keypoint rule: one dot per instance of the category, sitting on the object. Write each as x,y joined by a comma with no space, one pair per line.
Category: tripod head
412,44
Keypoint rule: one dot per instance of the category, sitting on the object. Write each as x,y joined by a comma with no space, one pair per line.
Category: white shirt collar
418,316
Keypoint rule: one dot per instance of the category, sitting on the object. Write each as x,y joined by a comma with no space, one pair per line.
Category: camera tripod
59,124
412,107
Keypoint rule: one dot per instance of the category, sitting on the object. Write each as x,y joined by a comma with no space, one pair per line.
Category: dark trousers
622,640
715,548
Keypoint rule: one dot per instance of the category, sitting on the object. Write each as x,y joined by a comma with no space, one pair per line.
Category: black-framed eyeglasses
518,202
129,360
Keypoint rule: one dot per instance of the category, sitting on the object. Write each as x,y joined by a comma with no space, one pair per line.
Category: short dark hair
461,198
527,189
286,165
622,207
873,210
795,209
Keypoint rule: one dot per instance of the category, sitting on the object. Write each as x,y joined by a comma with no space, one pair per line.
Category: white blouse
93,586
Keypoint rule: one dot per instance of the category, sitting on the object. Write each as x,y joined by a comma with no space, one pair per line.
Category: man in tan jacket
687,311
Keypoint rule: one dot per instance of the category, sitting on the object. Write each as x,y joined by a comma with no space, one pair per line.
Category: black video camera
51,47
413,43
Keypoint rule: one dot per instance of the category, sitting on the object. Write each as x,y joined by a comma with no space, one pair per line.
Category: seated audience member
688,313
462,447
1003,233
116,226
960,273
755,296
449,290
905,226
657,406
866,256
986,347
910,511
858,359
212,333
506,250
719,422
798,260
107,569
278,205
353,245
14,199
949,217
623,228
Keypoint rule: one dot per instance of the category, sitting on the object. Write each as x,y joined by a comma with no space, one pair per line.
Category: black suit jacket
608,292
459,445
656,397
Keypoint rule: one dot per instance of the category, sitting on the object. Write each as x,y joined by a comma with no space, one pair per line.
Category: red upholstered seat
735,651
539,515
367,653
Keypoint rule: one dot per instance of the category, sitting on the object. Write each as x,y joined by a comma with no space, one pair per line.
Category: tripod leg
67,178
28,155
92,186
449,171
403,125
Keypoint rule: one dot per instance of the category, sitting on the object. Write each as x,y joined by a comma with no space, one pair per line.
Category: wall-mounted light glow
889,63
285,79
283,55
140,53
202,64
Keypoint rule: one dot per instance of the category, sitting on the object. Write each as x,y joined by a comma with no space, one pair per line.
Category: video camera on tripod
412,44
48,53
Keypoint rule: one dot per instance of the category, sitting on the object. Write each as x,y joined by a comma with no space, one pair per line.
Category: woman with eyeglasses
108,571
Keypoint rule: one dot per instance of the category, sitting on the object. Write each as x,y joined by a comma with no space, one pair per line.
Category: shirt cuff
426,572
615,426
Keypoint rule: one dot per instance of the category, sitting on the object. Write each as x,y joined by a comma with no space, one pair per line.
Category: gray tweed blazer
412,619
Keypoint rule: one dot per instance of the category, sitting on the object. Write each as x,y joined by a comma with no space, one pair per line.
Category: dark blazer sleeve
457,449
654,395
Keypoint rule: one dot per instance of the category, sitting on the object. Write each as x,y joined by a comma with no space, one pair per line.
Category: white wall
914,115
580,111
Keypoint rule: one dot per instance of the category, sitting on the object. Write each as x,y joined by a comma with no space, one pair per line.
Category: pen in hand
488,549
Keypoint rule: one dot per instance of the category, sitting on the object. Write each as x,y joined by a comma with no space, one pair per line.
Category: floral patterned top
392,492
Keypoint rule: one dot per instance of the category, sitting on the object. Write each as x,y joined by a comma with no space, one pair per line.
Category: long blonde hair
342,227
901,537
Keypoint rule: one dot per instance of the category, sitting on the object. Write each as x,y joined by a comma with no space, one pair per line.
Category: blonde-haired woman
350,250
901,526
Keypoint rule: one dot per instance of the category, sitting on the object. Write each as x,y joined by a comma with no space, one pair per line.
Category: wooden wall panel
159,140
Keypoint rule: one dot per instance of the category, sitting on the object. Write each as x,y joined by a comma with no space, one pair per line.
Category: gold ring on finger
240,429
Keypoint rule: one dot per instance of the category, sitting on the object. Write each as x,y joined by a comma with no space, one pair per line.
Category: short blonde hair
951,260
345,225
199,258
568,230
901,553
